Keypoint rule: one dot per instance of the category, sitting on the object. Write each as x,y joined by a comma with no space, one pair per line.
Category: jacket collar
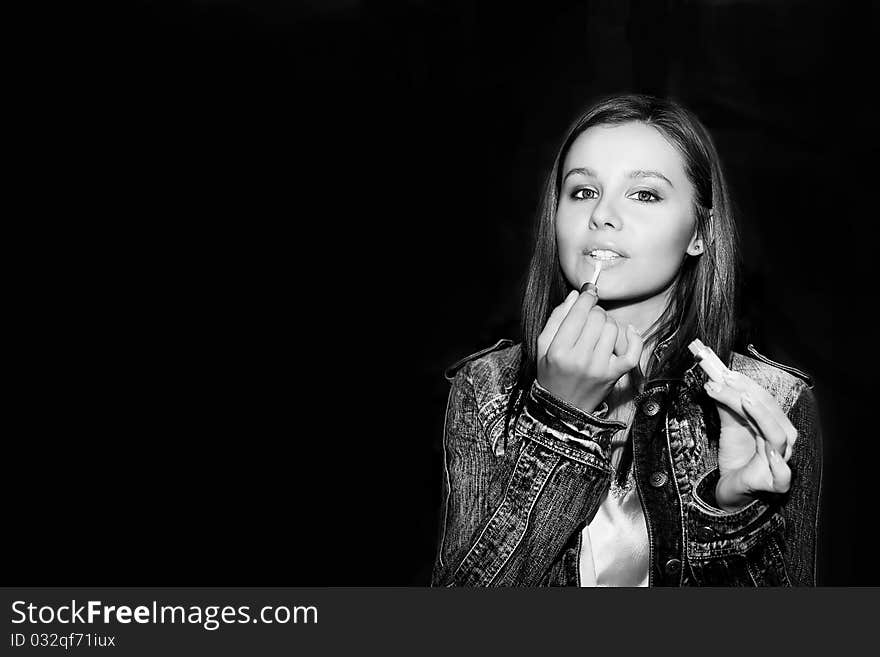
662,346
694,377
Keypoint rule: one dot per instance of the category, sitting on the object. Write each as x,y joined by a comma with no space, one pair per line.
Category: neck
642,314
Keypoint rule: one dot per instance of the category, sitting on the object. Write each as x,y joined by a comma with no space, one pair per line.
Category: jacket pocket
730,556
733,548
761,566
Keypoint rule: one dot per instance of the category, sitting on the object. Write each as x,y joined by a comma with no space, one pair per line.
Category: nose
605,216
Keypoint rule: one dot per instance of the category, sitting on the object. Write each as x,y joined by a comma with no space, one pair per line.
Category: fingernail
746,399
714,387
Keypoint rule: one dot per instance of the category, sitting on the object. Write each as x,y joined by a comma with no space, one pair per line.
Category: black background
256,234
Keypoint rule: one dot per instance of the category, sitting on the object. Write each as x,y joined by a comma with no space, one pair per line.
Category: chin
615,293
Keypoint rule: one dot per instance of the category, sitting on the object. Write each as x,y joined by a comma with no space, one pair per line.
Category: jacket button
673,567
705,534
658,479
651,407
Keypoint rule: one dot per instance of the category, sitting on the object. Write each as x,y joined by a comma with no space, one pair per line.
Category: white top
614,544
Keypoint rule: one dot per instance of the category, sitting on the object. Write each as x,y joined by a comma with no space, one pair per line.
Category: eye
645,196
576,192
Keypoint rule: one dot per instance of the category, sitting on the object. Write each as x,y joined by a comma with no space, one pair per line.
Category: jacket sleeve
545,485
800,510
771,541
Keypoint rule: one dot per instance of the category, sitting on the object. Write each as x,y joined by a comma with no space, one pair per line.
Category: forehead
609,149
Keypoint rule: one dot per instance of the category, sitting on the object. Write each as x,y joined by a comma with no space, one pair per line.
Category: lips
605,247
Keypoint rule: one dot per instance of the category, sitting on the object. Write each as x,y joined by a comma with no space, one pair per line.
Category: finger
570,329
789,449
623,364
606,342
743,383
622,343
792,436
761,448
590,334
780,471
553,323
764,479
732,399
770,429
740,381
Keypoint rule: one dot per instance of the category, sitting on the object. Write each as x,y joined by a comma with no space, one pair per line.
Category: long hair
702,302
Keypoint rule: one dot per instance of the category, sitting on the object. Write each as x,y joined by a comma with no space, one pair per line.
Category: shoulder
786,383
493,367
487,379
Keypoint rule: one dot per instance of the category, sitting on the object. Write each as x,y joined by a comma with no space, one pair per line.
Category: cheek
669,240
565,245
568,228
563,233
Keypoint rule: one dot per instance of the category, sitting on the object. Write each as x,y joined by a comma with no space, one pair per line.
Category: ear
697,245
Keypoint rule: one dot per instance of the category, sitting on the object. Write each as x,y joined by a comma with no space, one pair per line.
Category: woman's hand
755,444
576,352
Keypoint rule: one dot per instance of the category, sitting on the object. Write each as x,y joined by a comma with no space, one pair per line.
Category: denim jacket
513,509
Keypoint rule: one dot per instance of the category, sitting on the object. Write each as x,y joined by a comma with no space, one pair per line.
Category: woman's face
625,191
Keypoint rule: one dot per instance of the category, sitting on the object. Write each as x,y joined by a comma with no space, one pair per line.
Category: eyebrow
638,173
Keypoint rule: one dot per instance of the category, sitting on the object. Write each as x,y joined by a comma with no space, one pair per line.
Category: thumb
622,342
779,469
633,353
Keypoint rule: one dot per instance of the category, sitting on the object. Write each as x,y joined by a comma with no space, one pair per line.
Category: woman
597,452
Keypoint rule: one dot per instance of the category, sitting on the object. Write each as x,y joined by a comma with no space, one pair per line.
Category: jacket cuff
570,421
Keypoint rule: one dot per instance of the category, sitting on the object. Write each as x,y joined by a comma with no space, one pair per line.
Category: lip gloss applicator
590,285
709,361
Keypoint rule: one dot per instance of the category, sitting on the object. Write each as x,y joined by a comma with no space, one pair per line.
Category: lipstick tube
591,286
709,361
